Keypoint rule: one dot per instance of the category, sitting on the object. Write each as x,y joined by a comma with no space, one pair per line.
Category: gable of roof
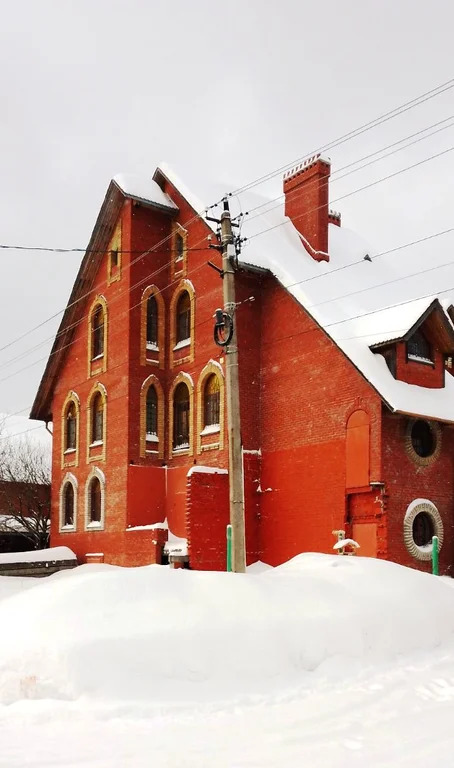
120,188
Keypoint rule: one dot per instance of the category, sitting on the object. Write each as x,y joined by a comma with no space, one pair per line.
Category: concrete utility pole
233,401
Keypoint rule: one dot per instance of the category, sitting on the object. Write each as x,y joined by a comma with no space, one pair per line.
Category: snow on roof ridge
143,187
305,165
194,201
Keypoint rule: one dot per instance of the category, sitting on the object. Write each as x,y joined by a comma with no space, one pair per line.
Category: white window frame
89,525
68,478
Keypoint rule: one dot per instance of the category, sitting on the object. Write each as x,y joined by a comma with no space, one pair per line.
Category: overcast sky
224,92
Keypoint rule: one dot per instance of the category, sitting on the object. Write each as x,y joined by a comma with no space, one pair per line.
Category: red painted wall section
303,478
176,500
358,450
208,514
146,495
406,481
421,374
207,518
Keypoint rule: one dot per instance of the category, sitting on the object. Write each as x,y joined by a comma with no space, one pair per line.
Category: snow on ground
38,555
325,661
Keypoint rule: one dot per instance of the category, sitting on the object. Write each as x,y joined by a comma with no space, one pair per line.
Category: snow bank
38,555
158,634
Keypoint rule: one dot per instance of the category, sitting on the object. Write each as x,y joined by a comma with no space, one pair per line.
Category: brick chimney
306,189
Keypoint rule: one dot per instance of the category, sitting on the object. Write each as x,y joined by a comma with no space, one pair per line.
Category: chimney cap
305,165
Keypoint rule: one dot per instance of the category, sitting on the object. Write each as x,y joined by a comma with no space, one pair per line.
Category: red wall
421,374
406,481
308,391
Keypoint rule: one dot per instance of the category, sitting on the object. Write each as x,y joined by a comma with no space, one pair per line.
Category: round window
423,529
422,521
423,439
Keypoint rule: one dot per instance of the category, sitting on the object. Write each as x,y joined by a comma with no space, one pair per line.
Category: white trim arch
90,525
413,510
72,480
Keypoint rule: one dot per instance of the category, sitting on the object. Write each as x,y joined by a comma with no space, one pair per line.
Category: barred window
152,412
97,418
152,320
97,326
183,317
419,347
181,416
71,427
68,505
211,401
94,499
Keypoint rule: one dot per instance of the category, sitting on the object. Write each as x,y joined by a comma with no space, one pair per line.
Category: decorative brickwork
179,246
158,446
214,439
114,256
97,364
69,478
69,456
152,356
186,353
186,379
414,509
96,451
99,474
423,461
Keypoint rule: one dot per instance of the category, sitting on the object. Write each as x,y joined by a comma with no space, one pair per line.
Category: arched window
97,418
211,401
97,329
183,318
152,322
179,247
68,506
181,415
71,427
94,500
151,416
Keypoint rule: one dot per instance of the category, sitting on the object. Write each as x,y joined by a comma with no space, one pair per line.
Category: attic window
419,349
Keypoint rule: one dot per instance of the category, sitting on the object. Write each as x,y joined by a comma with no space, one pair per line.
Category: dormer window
419,349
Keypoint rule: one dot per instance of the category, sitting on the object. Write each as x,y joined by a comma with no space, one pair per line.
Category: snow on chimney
306,189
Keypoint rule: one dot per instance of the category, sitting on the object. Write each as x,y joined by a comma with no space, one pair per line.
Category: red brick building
346,410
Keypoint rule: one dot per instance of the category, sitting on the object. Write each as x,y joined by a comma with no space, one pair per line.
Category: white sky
222,92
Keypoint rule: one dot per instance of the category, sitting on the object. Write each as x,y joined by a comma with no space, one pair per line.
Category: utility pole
236,489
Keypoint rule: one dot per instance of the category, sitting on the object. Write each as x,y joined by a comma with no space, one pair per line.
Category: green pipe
435,569
229,548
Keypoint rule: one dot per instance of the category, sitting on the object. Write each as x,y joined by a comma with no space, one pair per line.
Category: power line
308,307
433,93
337,142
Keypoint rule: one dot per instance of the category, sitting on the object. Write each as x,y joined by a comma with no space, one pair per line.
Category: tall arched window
68,503
97,418
179,247
71,427
151,416
211,401
152,322
183,318
94,500
97,329
181,415
68,506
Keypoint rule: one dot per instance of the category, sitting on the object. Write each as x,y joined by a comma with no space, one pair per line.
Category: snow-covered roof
143,188
345,294
196,204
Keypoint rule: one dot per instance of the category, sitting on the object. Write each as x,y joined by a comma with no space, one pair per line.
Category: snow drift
154,633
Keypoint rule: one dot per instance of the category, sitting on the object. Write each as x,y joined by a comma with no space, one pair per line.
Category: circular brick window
422,521
423,440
